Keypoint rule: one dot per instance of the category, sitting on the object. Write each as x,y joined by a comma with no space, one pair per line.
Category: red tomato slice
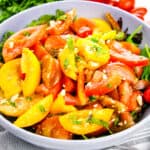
83,99
24,38
39,50
83,27
125,91
105,86
123,70
84,32
70,100
118,53
69,84
54,42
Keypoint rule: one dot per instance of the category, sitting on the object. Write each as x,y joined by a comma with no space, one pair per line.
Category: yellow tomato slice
67,60
92,51
10,82
101,25
78,122
31,67
36,113
59,106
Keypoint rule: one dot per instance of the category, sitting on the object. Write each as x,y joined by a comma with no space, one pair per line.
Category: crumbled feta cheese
13,98
139,100
11,44
63,92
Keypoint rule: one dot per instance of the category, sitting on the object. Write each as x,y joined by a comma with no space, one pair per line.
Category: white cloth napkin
10,142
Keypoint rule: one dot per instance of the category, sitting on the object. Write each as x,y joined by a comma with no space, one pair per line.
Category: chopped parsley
92,98
45,19
42,108
131,37
117,120
96,121
66,63
134,115
75,120
60,15
109,85
26,34
146,72
84,137
70,43
28,98
13,104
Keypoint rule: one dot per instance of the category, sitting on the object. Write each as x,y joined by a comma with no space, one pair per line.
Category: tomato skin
147,95
126,4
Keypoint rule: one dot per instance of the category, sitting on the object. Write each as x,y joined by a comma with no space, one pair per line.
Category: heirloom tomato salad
70,77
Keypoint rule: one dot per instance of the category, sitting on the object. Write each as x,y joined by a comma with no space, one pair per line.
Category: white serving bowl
90,10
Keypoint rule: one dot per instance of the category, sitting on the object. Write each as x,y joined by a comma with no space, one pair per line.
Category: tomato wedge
83,27
123,70
105,86
118,53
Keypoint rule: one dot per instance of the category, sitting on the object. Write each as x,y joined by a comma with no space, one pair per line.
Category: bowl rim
13,129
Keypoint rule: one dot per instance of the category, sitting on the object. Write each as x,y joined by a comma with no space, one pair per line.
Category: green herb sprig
146,72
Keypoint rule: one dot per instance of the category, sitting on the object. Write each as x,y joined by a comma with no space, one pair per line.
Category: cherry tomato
139,12
147,95
126,4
